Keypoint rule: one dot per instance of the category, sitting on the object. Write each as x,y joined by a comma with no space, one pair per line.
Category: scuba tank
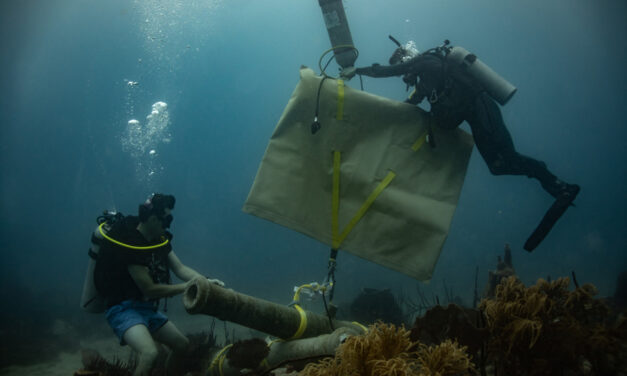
495,85
91,300
339,33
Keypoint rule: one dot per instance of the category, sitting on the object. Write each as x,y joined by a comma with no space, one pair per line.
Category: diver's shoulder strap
93,255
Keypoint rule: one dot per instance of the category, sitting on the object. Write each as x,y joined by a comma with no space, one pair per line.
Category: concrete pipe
277,320
283,352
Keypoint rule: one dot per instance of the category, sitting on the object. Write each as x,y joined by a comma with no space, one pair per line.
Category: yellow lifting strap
419,142
338,239
303,322
340,100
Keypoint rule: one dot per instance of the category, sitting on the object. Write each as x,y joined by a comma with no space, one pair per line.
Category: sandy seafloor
107,344
69,362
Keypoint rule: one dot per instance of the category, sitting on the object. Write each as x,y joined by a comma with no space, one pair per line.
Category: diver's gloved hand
348,73
216,282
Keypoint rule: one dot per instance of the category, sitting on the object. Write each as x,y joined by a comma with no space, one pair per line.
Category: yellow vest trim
144,248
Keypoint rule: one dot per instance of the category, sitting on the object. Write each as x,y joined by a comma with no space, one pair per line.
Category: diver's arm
416,65
376,70
184,272
152,290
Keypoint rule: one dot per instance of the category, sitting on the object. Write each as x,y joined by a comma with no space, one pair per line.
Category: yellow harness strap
340,100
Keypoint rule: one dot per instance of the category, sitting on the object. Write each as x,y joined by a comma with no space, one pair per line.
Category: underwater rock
620,295
248,353
372,305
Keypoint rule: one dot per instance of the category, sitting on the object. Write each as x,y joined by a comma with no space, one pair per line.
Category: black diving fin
563,201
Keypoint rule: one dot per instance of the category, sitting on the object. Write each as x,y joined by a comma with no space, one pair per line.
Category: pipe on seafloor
284,322
283,352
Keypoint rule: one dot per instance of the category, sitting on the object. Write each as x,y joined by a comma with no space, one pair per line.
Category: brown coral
447,358
546,329
387,351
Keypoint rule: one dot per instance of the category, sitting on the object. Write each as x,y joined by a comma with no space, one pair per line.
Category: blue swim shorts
132,312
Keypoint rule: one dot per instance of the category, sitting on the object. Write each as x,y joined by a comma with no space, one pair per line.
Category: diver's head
155,214
403,53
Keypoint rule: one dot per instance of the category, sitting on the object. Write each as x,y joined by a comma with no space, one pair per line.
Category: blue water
226,70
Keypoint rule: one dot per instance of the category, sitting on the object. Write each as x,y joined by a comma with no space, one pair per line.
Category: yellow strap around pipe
303,322
219,361
340,99
362,327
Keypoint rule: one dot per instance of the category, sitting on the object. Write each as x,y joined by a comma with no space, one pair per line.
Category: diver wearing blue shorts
132,272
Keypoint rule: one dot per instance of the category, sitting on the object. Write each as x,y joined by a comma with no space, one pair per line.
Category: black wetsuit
455,97
111,275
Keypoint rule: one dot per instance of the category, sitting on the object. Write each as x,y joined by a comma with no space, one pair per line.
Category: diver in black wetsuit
455,95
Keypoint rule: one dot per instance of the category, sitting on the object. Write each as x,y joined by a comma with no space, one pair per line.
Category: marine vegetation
195,362
386,350
546,329
452,322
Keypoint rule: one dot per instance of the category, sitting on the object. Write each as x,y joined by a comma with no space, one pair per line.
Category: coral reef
95,364
388,351
453,322
447,358
504,269
547,330
195,362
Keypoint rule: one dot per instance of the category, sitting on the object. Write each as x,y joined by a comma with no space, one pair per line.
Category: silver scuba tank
339,33
498,87
91,301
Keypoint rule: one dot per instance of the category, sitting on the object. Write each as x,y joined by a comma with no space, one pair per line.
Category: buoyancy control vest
115,245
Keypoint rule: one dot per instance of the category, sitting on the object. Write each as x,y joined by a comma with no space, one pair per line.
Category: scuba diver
459,87
129,271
